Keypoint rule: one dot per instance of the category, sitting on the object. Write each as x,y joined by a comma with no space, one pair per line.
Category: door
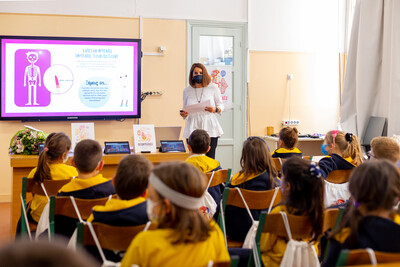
221,47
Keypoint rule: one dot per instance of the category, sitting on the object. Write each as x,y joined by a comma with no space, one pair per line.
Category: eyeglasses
370,155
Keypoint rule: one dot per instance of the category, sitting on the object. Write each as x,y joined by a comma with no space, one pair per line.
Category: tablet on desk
172,146
117,147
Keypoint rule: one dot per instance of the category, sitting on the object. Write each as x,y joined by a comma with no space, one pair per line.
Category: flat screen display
117,147
172,146
59,78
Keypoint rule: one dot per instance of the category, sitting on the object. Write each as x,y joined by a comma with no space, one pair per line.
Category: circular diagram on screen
58,79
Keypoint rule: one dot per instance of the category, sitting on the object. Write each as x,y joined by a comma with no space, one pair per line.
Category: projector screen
59,78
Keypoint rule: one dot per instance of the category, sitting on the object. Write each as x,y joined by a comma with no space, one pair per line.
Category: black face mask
197,79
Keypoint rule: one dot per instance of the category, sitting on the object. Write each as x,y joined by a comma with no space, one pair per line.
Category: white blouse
202,120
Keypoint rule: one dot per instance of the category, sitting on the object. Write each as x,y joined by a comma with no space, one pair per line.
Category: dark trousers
213,145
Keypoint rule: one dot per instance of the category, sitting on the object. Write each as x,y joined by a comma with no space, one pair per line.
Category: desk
309,146
22,165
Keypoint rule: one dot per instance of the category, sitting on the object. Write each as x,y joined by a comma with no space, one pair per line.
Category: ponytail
56,145
353,150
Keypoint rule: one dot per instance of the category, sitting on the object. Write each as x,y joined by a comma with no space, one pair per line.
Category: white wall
219,10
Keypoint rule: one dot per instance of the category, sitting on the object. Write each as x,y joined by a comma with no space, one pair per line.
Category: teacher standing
200,90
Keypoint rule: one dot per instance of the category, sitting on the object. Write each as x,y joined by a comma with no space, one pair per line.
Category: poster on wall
81,131
144,138
221,77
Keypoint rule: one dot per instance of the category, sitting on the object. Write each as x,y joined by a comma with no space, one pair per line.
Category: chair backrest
254,199
278,162
63,206
110,237
220,176
361,256
51,186
330,219
339,176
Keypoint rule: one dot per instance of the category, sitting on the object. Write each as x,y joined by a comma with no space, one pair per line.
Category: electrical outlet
290,122
155,92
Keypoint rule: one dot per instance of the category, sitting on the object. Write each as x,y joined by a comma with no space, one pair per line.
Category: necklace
201,96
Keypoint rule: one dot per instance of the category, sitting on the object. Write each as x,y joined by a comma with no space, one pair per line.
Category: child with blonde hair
342,150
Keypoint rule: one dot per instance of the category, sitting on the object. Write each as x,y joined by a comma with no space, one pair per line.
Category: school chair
257,200
332,219
336,187
63,207
33,187
278,162
300,227
219,177
366,256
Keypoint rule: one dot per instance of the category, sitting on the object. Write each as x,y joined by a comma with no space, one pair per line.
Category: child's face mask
323,149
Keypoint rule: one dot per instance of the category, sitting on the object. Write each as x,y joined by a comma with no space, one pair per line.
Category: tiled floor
5,223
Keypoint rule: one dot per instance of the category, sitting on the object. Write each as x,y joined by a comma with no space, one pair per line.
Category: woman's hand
183,113
210,109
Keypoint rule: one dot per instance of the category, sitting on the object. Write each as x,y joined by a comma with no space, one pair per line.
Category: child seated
184,236
385,148
51,166
288,138
258,173
342,150
302,195
90,183
130,182
199,145
370,221
129,208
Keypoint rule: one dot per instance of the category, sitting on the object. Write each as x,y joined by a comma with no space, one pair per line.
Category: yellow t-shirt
153,248
58,171
273,247
79,183
204,163
116,204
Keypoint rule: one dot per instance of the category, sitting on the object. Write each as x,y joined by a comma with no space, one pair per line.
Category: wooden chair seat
361,257
110,237
339,176
220,176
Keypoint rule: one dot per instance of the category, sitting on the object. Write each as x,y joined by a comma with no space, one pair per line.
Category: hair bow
315,170
349,137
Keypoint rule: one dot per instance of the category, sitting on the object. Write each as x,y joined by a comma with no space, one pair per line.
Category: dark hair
289,137
206,77
24,253
256,159
188,225
306,195
373,185
386,148
199,141
347,144
56,145
87,155
132,176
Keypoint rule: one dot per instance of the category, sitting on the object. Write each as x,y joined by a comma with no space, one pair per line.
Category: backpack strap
223,223
45,192
245,204
287,226
76,209
372,256
273,199
25,217
209,182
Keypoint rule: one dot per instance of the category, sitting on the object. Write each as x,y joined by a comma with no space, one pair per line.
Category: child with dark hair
302,195
371,221
288,139
90,183
130,182
51,166
342,150
198,145
129,208
258,173
184,236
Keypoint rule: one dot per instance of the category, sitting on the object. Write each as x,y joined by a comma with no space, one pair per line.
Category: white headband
179,199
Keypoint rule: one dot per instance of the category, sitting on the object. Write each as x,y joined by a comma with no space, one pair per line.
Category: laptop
167,133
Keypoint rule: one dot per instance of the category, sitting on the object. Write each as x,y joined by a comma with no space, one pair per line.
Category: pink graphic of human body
30,66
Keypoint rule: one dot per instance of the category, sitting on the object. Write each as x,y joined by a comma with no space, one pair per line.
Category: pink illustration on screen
30,65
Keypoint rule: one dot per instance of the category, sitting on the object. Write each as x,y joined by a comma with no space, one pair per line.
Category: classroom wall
167,73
